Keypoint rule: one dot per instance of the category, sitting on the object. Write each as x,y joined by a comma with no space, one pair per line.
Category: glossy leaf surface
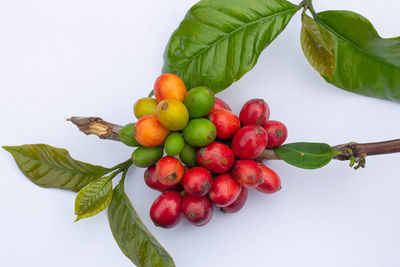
317,46
220,40
306,155
132,236
49,166
93,198
366,64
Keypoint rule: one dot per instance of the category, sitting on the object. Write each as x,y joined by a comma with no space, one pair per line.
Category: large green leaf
366,64
94,198
220,40
132,236
317,46
49,166
306,155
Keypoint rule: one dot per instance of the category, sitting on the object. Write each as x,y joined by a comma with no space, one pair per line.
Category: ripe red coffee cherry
224,191
254,111
152,181
197,181
249,142
247,173
218,105
169,170
197,209
166,209
226,123
277,133
271,183
216,157
238,203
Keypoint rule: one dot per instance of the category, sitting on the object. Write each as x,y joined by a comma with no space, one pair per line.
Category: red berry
271,183
166,209
238,203
169,170
152,181
277,133
197,209
249,142
224,191
226,123
254,111
247,173
216,157
197,181
218,105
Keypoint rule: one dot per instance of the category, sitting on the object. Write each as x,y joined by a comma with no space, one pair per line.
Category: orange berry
169,86
169,170
149,131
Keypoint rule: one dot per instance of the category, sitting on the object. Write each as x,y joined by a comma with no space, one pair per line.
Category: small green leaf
93,198
221,40
132,236
49,166
366,64
317,46
306,155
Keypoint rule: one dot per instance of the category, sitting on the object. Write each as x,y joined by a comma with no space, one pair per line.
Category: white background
97,57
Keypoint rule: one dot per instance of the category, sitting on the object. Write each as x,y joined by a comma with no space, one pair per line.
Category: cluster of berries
211,153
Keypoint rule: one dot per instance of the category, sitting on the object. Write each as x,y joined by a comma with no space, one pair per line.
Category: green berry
147,156
199,101
188,155
199,132
127,135
174,144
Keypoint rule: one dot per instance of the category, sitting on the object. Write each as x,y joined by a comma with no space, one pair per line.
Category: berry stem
349,151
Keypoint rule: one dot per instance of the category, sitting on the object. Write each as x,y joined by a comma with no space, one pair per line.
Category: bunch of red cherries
225,169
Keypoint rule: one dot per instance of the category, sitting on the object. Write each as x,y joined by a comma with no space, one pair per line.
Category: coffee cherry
172,114
218,105
197,209
271,183
225,190
169,170
238,203
199,101
149,131
247,173
197,181
166,209
249,142
199,132
254,111
169,86
216,157
277,133
145,106
174,144
127,135
147,156
226,123
188,155
150,178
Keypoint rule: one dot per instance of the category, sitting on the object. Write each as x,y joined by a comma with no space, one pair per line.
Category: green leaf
317,46
366,64
132,236
94,198
306,155
220,40
49,166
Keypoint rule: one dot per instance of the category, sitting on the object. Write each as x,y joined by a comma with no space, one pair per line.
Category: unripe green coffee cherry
147,156
199,132
199,101
127,136
188,155
174,144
